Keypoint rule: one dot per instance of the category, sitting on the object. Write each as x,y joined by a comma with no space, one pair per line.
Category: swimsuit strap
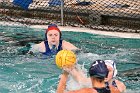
103,90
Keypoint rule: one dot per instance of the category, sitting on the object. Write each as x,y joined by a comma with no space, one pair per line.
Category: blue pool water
24,73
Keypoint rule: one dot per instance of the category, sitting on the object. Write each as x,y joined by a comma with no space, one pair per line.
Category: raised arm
62,83
79,76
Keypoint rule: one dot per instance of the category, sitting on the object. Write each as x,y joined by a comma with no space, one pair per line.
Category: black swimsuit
103,90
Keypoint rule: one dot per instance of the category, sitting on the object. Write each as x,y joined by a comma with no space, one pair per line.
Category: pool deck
108,33
78,29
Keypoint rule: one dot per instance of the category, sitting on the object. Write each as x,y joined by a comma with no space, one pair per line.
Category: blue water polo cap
98,69
52,25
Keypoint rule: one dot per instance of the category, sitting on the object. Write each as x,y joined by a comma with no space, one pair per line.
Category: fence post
62,16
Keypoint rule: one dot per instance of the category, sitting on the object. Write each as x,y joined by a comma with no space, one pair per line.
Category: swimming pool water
23,73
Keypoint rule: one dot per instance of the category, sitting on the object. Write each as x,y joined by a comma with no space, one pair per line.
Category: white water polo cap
112,64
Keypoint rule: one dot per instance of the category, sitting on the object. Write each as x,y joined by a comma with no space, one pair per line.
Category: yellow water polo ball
65,58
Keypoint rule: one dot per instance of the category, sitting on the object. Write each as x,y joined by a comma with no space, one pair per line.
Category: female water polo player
98,72
53,42
109,80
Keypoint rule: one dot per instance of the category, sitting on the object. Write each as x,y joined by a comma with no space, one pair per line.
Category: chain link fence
110,15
